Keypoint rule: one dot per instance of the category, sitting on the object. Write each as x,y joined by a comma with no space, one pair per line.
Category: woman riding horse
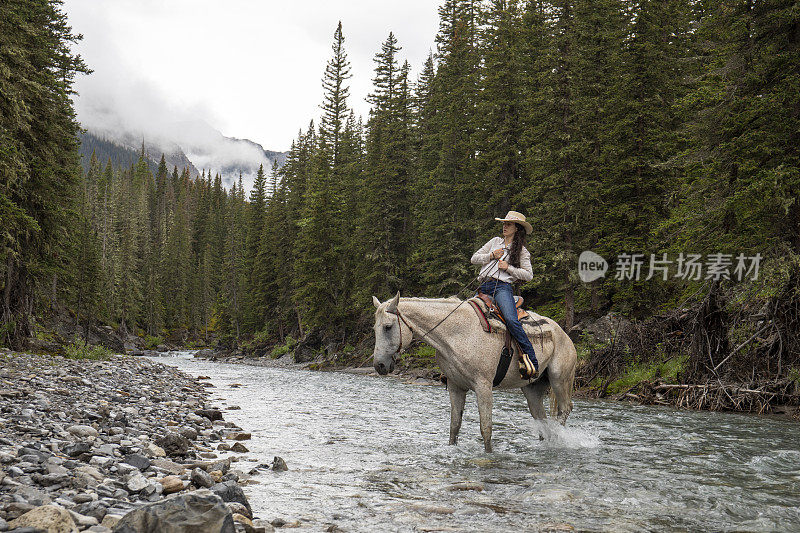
513,264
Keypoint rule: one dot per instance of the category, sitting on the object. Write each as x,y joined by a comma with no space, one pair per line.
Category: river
371,454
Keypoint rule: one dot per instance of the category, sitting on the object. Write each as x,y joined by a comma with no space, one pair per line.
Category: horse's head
392,335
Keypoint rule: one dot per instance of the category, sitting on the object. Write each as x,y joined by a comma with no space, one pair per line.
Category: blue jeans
504,299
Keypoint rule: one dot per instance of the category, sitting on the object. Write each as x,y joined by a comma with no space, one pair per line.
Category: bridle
400,347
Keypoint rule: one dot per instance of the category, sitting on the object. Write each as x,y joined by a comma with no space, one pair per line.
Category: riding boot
528,368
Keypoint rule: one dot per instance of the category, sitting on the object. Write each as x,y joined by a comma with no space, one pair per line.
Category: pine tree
386,202
499,137
446,233
39,162
743,179
334,107
254,299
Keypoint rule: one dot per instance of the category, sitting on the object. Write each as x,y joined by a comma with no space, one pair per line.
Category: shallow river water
371,454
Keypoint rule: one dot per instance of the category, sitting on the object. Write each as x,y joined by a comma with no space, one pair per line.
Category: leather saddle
489,301
510,342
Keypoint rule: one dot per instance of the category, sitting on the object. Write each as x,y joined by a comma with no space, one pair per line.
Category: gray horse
468,356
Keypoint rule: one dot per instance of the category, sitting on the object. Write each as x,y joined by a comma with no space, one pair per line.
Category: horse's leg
483,390
562,388
457,398
535,393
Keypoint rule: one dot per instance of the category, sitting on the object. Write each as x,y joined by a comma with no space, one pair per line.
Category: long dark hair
516,245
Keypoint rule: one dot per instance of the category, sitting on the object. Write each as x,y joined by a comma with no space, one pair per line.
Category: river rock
189,433
174,445
82,431
169,466
239,436
111,520
211,414
137,482
279,465
238,447
193,512
241,519
262,525
138,460
154,450
90,471
77,448
51,518
83,521
230,491
237,507
201,478
171,484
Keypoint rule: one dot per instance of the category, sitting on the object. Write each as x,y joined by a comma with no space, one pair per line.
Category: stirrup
526,368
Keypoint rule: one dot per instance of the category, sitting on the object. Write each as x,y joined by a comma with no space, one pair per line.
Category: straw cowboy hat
519,218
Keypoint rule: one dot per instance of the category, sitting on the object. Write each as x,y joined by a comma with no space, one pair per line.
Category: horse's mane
449,299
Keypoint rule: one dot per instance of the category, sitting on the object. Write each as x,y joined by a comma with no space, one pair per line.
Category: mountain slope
192,144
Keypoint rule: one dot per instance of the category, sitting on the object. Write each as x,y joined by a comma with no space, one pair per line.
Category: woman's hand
497,254
502,265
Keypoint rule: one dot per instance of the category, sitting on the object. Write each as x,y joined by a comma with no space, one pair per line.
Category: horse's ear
376,302
392,307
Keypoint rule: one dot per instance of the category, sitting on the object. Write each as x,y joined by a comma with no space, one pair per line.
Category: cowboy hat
519,218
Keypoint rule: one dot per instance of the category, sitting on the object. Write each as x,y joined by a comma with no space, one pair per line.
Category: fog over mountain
128,115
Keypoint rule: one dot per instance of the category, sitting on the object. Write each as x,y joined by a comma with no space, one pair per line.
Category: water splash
554,434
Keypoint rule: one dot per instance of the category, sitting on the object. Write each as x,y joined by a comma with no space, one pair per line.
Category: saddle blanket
535,326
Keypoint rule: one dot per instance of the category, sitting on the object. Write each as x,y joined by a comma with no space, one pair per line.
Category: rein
399,316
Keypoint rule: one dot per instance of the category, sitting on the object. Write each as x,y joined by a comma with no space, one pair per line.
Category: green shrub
585,345
151,342
86,351
279,351
794,375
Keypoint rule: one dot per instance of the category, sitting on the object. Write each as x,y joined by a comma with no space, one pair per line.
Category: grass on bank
648,371
420,356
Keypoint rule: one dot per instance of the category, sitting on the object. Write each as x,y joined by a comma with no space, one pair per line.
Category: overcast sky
249,68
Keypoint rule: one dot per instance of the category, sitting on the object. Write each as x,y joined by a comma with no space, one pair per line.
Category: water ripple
370,454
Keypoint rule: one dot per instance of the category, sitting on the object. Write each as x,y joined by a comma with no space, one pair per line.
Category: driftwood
761,398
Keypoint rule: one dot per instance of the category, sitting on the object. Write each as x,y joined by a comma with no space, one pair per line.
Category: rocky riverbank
124,445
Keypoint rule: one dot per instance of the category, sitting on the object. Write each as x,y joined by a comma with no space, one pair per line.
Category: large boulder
106,336
49,518
230,491
601,330
193,512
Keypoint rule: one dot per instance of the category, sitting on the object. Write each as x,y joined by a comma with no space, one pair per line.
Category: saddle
489,301
492,321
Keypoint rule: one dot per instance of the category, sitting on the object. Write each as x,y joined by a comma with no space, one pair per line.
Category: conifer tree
334,107
39,165
446,238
